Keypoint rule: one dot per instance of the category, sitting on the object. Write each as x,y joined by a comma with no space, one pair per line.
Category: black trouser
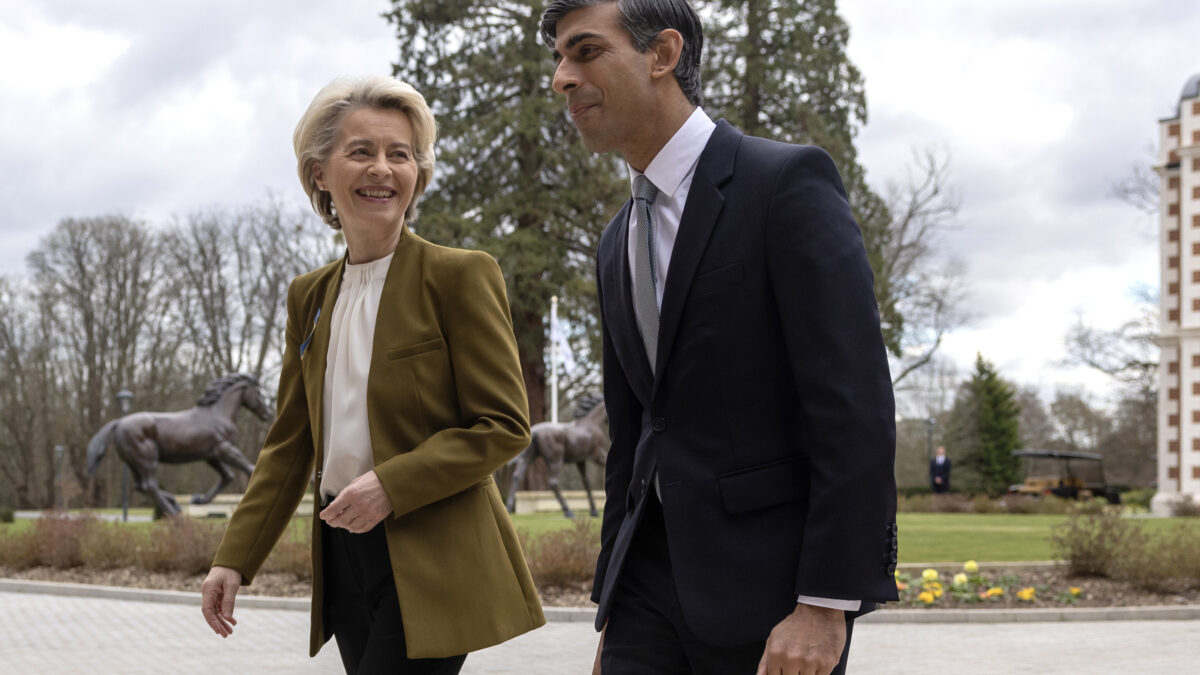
646,632
361,609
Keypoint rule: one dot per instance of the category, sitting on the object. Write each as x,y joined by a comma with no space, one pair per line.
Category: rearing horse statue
558,443
204,432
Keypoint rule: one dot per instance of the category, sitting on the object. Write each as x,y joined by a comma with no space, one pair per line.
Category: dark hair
644,20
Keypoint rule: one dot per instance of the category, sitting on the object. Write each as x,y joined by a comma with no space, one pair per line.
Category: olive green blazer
446,407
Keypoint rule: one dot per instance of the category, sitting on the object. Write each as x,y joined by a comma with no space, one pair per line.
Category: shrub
108,545
20,551
1185,507
58,536
292,555
915,503
1166,562
985,504
1140,497
7,515
1039,505
179,545
1093,541
563,557
950,503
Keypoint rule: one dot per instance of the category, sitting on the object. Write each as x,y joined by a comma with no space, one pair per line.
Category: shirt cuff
844,605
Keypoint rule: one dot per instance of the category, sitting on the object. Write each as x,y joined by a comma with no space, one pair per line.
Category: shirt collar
679,156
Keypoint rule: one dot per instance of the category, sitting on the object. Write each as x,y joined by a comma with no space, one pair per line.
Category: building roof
1190,90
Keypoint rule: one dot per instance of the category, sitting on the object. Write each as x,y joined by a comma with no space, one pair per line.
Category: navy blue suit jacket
770,418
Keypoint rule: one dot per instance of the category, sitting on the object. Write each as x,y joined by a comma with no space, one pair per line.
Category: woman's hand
360,506
217,592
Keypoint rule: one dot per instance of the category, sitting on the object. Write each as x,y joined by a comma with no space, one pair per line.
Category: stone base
222,506
1161,503
543,501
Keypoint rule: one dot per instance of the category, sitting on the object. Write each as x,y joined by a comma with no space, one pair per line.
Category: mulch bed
1097,592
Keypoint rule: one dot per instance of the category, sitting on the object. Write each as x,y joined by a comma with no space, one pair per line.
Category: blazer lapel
313,359
700,215
618,307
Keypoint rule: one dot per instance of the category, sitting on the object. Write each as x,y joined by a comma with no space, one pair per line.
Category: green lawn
538,523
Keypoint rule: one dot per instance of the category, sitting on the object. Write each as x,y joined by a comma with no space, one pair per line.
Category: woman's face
371,173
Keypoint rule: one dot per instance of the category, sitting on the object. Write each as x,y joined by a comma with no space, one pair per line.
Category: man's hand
808,642
217,592
359,507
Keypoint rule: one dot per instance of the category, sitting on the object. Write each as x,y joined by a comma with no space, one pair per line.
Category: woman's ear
319,176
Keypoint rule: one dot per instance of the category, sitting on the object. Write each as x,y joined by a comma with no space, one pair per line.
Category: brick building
1179,302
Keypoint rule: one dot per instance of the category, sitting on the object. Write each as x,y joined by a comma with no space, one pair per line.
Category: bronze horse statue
204,432
557,443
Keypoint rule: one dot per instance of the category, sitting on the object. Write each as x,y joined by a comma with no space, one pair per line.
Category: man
939,472
750,495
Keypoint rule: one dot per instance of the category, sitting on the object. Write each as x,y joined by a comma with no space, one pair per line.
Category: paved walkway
70,635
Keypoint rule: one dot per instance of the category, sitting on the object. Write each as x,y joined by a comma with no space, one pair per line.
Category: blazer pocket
418,348
717,278
764,485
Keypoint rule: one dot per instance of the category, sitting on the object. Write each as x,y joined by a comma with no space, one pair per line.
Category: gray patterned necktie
645,263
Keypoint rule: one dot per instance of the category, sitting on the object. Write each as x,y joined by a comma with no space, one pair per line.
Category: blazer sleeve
490,389
824,293
284,466
624,412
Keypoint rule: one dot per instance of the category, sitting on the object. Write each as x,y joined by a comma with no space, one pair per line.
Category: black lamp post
125,400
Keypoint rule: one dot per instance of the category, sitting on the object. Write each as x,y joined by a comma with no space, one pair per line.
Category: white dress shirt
347,435
671,171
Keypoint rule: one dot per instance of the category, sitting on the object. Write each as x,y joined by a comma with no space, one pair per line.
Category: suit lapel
700,215
313,359
618,307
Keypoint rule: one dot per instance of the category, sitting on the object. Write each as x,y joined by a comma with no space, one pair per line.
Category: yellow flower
1027,594
926,597
896,574
929,574
1076,591
970,567
995,592
960,579
937,592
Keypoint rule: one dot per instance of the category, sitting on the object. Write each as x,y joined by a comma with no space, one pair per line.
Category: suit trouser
646,632
361,609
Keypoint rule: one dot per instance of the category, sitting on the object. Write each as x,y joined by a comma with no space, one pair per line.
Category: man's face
605,80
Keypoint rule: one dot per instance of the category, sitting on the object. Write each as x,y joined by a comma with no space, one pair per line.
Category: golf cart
1070,475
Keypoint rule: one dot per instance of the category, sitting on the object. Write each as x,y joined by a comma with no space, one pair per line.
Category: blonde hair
317,130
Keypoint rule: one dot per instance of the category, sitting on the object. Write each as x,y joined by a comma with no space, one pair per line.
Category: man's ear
667,50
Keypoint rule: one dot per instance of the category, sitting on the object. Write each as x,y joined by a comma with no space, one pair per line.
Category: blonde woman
401,387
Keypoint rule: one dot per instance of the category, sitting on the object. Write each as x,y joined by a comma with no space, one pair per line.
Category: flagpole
553,358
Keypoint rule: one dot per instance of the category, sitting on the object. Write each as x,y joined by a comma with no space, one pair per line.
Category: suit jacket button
659,424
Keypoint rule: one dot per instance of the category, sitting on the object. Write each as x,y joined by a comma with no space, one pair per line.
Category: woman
401,387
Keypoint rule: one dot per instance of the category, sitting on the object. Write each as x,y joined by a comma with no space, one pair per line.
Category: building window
1173,446
1173,421
1196,443
1173,394
1173,130
1196,220
1173,367
1172,315
1196,136
1172,157
1195,163
1196,388
1196,305
1173,210
1196,108
1196,415
1196,472
1173,287
1173,262
1173,472
1196,364
1173,235
1173,183
1195,193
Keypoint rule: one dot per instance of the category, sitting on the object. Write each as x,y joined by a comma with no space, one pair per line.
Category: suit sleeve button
659,424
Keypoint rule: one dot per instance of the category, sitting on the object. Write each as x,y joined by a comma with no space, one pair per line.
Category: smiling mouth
377,194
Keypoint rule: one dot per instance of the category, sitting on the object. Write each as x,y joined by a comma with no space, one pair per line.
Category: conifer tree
996,424
513,177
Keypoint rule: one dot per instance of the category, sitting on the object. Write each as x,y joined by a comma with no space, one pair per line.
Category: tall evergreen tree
513,177
996,424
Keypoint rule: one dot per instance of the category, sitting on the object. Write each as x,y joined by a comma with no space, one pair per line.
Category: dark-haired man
750,495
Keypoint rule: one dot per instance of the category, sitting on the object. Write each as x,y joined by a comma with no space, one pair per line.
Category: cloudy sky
158,108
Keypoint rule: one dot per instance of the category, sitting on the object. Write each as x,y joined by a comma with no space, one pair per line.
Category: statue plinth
544,501
222,506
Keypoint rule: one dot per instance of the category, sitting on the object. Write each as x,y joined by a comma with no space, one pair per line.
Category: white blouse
347,435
